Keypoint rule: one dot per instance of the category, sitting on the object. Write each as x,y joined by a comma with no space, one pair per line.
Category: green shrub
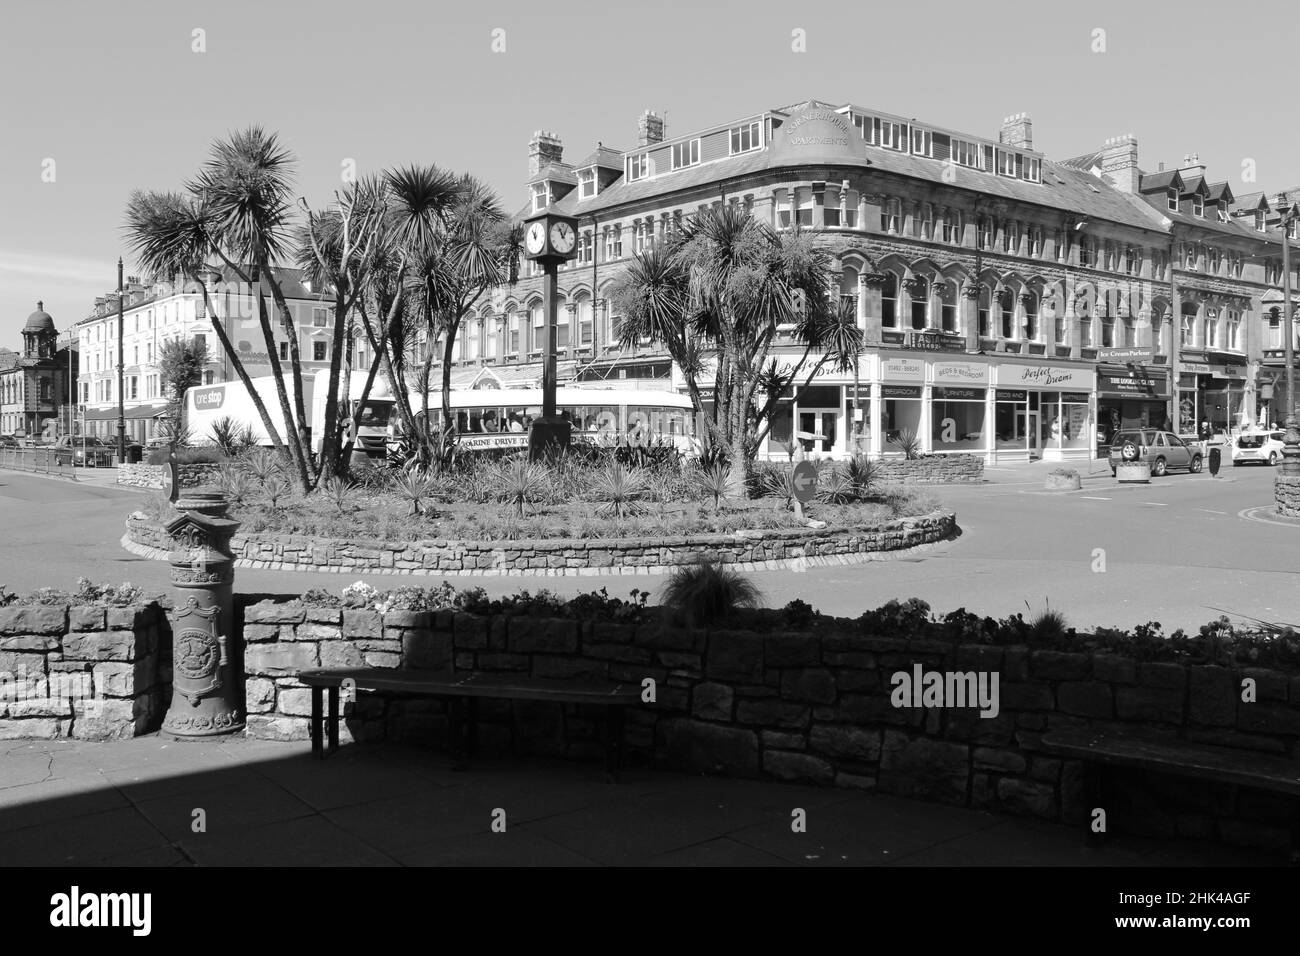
908,442
701,595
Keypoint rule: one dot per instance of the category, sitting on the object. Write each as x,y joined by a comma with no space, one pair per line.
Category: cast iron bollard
205,671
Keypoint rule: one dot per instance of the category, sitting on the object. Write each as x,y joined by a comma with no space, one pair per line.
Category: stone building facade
1013,306
34,382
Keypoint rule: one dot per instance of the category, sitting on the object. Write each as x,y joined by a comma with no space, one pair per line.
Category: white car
1258,447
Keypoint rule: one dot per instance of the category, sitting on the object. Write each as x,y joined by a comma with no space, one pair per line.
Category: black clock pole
550,295
549,434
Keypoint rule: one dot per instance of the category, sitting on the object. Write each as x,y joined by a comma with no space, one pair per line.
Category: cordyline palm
169,234
728,284
334,250
455,269
245,187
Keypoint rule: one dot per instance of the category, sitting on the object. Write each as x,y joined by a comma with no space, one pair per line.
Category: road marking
1155,504
1212,511
1093,498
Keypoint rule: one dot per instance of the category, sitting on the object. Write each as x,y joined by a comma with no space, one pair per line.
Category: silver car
1164,451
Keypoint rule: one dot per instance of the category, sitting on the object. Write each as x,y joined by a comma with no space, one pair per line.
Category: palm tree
456,269
170,235
245,187
723,292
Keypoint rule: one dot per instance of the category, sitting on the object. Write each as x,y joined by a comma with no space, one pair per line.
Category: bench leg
317,718
613,742
334,719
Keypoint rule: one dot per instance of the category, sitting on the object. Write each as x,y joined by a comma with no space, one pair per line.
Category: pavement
1182,551
137,802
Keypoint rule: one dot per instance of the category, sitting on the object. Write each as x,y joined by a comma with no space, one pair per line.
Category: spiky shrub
620,489
262,463
714,481
276,488
338,491
701,595
231,437
413,486
234,483
835,488
1047,625
521,483
908,442
863,474
779,483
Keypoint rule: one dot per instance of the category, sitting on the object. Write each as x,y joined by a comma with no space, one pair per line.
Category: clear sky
115,95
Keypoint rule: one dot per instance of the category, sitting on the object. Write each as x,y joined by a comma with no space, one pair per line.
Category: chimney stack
1119,163
649,129
1192,165
1017,130
543,149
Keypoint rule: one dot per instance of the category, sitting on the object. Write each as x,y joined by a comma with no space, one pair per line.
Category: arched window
1212,329
1029,301
584,319
1007,314
920,295
985,319
889,301
536,326
849,289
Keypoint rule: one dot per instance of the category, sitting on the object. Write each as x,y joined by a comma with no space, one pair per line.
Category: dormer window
1007,163
1172,197
746,137
1198,206
539,192
638,167
1223,210
1259,220
586,184
922,142
686,154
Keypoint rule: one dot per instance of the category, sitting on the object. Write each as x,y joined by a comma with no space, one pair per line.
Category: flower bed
751,550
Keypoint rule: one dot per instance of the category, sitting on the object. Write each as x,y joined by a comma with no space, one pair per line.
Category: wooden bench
1101,749
462,692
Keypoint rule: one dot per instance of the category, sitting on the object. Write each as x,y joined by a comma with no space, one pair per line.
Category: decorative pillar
207,659
862,210
1074,326
876,412
969,316
875,281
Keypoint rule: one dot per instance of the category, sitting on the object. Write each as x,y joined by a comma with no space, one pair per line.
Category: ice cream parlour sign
1045,376
959,372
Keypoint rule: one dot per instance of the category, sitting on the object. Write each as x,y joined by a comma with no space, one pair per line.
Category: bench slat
474,685
1263,771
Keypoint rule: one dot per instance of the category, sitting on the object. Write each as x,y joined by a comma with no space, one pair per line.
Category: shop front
1130,396
1042,411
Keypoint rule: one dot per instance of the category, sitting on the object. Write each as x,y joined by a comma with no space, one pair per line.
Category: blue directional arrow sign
805,481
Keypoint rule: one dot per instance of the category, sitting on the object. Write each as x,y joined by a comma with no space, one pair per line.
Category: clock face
563,237
536,238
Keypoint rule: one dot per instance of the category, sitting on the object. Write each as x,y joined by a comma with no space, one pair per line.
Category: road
1177,551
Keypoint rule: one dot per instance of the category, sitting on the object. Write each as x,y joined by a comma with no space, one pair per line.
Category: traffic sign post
804,480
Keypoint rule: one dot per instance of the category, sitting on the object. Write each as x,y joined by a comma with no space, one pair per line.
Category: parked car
1259,447
86,452
1162,450
9,441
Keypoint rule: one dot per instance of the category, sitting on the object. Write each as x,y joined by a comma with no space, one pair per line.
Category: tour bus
498,418
207,404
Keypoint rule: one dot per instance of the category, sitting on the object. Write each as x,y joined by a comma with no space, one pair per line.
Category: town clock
550,236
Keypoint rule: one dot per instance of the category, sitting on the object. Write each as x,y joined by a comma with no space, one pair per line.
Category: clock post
549,239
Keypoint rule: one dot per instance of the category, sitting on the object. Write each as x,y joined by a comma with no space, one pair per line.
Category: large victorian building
153,314
34,385
1013,306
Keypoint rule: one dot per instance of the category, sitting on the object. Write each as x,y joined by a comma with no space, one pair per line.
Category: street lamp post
1291,450
121,395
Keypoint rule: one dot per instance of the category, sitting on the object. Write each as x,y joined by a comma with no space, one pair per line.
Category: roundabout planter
1063,481
1136,472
